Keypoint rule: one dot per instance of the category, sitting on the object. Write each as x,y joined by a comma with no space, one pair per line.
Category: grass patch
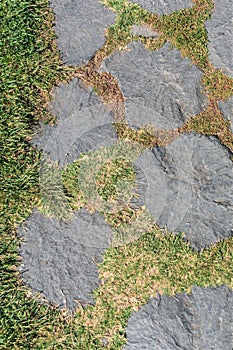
210,122
186,30
155,263
102,179
109,176
218,85
30,67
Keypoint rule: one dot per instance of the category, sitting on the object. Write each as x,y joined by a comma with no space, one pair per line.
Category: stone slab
59,260
83,124
201,320
161,88
220,36
190,188
163,7
80,28
143,30
226,107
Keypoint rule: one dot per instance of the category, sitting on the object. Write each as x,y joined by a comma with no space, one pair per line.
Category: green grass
110,175
30,66
157,261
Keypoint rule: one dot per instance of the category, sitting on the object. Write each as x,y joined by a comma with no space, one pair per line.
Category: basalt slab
220,36
80,28
201,320
226,107
190,188
143,30
59,259
83,124
160,88
162,7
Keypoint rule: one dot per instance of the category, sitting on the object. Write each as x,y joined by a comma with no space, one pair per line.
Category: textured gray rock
141,186
163,7
220,36
226,107
190,188
83,124
160,87
201,320
143,30
59,259
80,28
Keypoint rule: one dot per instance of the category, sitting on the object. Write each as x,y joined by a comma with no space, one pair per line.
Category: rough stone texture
163,7
80,28
201,320
59,259
220,36
141,186
190,188
102,136
226,108
143,30
83,124
160,87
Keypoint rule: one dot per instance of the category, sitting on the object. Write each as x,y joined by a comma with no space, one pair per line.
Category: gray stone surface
80,28
163,7
190,188
143,30
141,186
160,87
102,136
220,36
226,107
59,259
202,320
83,124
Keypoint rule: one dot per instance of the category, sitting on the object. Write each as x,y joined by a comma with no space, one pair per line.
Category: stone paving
195,173
226,107
201,320
186,185
76,38
162,7
83,124
53,250
160,88
220,33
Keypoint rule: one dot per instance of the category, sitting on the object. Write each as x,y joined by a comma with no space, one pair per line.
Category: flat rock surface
201,320
226,107
220,36
83,124
143,30
59,259
190,188
163,7
160,88
80,28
